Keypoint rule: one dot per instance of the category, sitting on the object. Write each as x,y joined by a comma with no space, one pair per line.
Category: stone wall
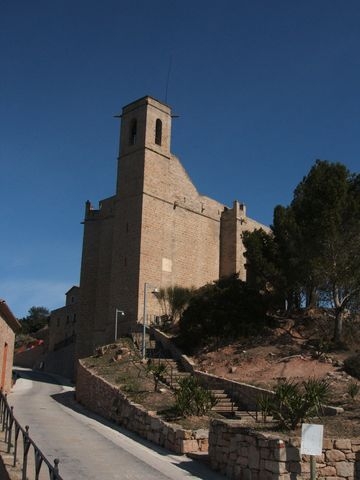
241,453
105,399
244,395
169,345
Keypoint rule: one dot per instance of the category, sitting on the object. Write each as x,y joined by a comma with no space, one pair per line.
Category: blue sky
262,89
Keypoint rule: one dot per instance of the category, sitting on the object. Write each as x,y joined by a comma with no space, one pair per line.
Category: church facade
156,231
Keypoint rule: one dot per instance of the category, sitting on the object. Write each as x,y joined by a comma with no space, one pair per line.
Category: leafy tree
326,207
313,252
36,319
225,309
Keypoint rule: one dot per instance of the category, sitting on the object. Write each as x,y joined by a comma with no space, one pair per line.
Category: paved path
88,446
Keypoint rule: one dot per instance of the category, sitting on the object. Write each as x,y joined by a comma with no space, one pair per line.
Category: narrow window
158,131
133,132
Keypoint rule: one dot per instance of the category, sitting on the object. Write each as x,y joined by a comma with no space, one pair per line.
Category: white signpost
311,444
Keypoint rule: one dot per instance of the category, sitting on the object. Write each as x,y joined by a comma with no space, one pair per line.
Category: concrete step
224,401
220,395
225,408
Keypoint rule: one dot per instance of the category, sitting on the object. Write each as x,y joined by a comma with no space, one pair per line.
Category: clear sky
262,89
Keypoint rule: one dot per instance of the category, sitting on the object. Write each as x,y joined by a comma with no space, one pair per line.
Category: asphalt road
88,446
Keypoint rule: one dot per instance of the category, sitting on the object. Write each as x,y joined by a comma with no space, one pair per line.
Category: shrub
353,390
225,309
192,399
352,365
293,403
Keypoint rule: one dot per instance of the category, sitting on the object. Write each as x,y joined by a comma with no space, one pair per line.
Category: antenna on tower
168,78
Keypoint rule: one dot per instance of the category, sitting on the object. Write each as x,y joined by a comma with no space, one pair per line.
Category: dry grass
260,362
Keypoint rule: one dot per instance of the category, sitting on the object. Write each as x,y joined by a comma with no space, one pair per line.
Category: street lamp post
117,312
155,290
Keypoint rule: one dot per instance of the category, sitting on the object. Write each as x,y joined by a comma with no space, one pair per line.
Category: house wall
7,339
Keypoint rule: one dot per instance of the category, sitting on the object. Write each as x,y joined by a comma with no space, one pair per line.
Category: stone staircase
174,372
224,405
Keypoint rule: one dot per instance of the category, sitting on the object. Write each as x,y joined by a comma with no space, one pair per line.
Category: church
156,231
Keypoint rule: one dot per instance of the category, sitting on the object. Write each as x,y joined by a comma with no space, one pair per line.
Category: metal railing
14,433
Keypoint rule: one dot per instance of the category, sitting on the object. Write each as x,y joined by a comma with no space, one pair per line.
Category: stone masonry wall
241,453
108,401
244,395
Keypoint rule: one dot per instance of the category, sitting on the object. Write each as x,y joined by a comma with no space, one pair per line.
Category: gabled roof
8,316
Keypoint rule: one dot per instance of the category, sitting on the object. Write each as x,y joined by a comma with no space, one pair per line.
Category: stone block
327,471
334,456
201,433
328,443
188,446
254,457
343,444
183,434
345,469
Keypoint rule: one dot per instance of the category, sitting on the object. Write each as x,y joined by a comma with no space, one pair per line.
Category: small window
133,132
158,131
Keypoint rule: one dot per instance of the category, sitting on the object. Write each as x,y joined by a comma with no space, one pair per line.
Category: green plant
352,365
157,370
192,399
293,403
264,405
353,390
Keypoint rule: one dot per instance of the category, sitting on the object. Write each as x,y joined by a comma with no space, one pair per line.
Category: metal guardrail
13,429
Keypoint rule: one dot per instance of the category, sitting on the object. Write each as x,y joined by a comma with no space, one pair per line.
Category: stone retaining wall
241,453
244,395
101,397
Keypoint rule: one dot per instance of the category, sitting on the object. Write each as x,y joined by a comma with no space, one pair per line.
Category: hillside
298,349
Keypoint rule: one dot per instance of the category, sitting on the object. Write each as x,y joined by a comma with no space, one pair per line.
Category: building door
3,370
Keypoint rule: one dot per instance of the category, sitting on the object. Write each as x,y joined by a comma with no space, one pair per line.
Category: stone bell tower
143,168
